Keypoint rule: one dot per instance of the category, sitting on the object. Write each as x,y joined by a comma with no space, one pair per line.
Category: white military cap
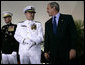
29,9
6,14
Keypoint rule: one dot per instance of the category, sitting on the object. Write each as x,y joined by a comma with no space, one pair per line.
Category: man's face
7,19
29,15
50,10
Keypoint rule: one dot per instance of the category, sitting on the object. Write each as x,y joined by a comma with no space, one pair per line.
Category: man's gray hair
56,5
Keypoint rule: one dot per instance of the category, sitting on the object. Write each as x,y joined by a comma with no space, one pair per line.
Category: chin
50,15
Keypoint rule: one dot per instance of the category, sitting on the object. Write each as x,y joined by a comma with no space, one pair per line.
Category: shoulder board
4,26
21,22
37,22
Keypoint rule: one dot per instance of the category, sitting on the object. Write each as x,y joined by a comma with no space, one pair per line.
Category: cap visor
6,16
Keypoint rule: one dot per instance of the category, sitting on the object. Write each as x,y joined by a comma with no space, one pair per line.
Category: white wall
75,8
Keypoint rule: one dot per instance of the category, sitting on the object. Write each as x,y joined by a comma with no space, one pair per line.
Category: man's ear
54,8
24,13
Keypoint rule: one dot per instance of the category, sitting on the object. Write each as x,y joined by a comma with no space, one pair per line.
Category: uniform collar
28,21
9,23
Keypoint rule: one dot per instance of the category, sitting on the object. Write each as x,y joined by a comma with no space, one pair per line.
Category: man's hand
46,56
72,54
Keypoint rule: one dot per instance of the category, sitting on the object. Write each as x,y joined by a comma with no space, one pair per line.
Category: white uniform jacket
29,38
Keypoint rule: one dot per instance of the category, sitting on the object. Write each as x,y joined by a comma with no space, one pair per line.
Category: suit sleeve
73,32
46,44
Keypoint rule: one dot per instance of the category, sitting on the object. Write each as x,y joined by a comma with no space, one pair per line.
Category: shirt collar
57,15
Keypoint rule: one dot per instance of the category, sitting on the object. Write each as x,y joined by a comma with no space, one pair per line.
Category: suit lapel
60,20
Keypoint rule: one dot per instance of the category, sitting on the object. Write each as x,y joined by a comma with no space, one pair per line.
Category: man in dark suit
60,36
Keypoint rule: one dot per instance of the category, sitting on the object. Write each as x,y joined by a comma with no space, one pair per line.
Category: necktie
54,25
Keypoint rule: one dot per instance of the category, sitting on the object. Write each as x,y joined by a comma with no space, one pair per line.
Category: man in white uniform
29,34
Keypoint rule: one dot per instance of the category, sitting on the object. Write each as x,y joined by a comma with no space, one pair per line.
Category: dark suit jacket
59,45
